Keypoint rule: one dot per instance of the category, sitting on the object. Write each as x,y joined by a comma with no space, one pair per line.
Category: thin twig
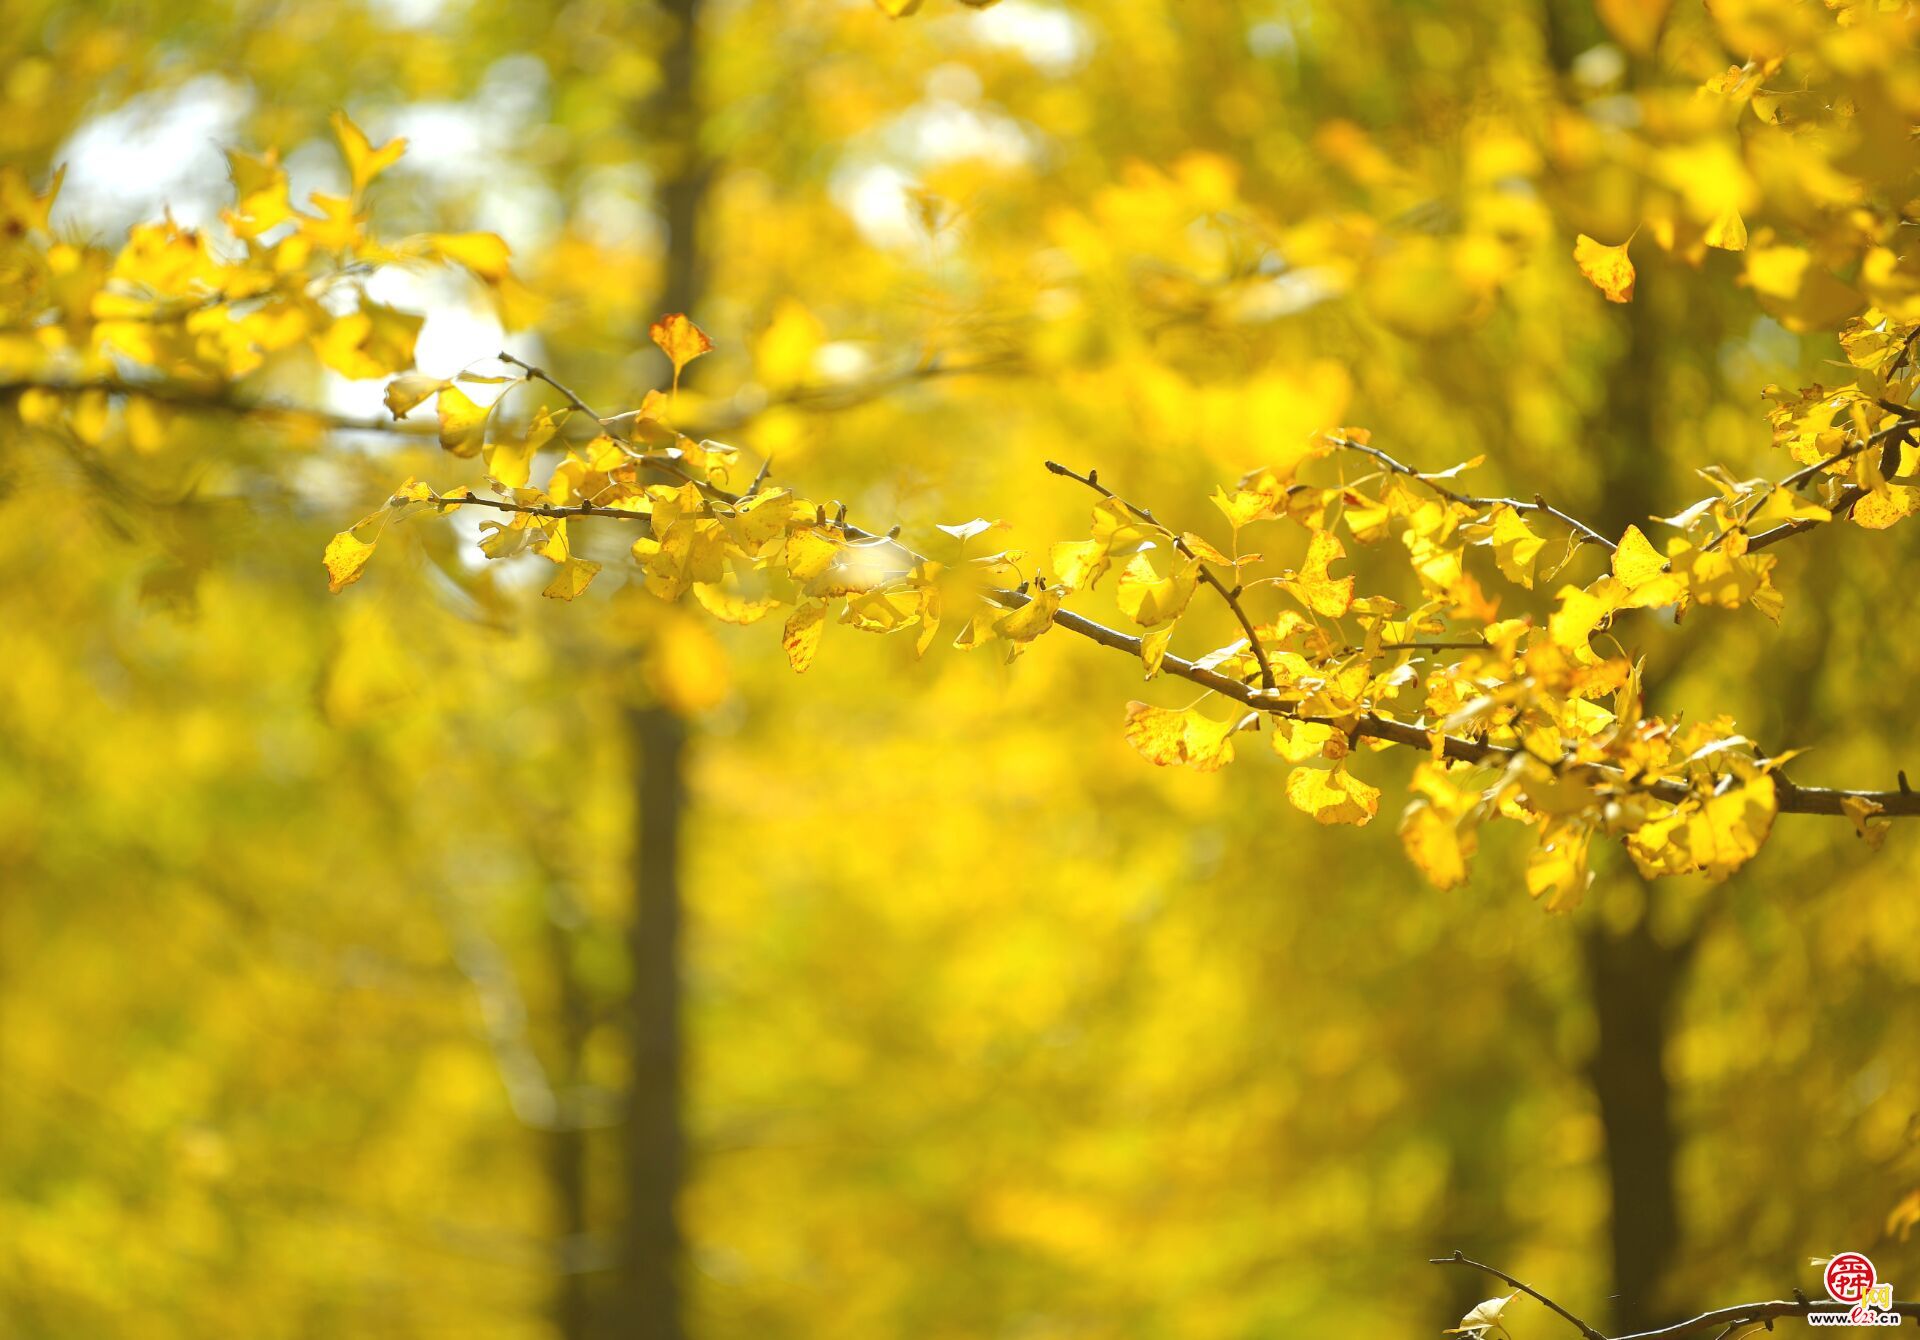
1585,533
542,375
1457,1259
449,501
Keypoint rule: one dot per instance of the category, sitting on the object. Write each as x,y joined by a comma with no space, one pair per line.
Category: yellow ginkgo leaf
725,603
485,254
1515,546
1171,737
574,576
1332,796
364,161
375,341
1198,546
260,194
1610,269
680,340
1079,563
1728,232
1304,741
1485,1320
346,559
1557,869
1582,611
403,393
1150,599
463,424
1033,618
898,9
1644,571
1863,814
511,462
1313,587
1153,649
1435,845
1728,829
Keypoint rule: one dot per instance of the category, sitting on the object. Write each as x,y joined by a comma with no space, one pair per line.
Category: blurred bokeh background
438,960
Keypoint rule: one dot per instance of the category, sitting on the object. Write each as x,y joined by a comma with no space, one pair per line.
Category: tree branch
1266,699
1740,1314
1232,597
217,402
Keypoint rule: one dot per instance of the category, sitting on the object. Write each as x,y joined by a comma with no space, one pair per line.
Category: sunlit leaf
346,560
1607,267
680,340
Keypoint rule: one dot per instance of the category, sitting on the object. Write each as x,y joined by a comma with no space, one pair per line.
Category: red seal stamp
1850,1277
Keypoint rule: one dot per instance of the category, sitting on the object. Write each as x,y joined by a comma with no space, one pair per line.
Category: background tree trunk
1633,980
651,1301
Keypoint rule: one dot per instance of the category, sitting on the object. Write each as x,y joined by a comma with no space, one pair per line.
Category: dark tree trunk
1633,980
651,1252
651,1303
567,1150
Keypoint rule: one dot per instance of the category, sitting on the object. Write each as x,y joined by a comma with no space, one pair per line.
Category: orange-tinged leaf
346,559
1609,268
801,636
1171,737
680,340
